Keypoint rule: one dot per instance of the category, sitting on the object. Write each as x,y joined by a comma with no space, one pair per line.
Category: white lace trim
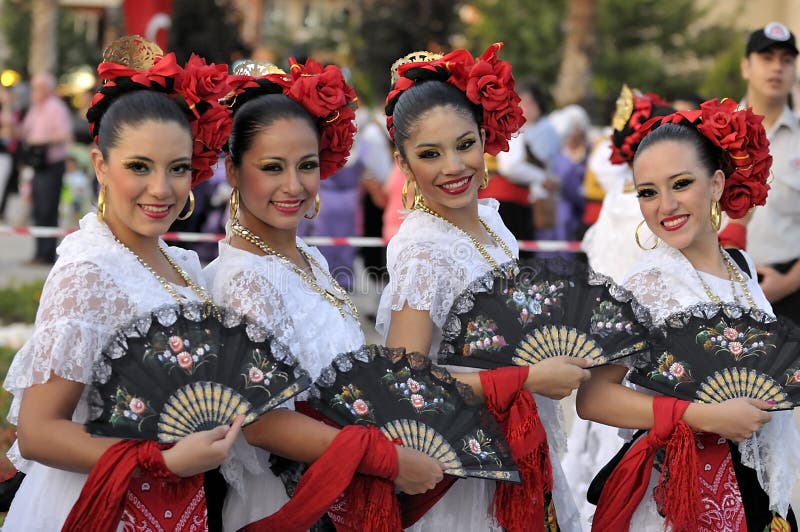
95,287
665,282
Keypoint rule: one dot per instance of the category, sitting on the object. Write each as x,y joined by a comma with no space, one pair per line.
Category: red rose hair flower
743,141
486,82
321,91
197,87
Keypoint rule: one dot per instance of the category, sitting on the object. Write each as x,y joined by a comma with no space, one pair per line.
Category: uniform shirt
773,234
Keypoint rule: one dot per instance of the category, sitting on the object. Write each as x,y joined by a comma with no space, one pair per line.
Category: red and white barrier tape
355,241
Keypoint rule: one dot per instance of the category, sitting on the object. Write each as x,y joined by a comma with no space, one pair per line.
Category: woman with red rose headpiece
444,113
150,152
290,130
689,167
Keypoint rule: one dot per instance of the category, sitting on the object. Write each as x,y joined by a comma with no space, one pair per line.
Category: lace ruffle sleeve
79,310
424,277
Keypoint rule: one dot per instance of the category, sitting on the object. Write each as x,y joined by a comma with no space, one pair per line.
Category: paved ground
15,251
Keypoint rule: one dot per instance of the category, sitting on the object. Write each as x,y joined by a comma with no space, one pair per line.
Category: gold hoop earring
316,209
191,207
716,216
638,243
404,194
485,182
101,203
234,204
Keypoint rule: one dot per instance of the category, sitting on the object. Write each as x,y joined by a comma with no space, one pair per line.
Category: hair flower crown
487,82
323,93
133,63
741,137
632,111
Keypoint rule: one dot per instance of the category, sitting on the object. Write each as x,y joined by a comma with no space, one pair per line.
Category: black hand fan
417,404
713,353
182,369
550,307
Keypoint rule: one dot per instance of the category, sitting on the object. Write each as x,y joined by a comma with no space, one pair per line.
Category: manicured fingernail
771,401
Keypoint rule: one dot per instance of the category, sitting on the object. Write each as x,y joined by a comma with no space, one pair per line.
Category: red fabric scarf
412,507
369,502
733,236
102,499
519,507
678,490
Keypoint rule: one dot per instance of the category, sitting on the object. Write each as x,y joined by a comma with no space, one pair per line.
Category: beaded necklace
480,247
338,302
733,273
197,289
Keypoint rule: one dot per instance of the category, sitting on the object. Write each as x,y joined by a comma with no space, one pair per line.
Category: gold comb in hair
133,51
414,57
624,108
248,67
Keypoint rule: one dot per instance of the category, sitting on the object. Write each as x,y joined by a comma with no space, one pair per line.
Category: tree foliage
673,48
205,27
73,48
390,29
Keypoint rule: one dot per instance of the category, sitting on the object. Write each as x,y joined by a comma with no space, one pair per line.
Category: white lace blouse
266,290
95,287
665,282
430,263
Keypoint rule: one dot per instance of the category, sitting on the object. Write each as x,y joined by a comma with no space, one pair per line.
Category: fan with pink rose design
188,368
417,404
711,353
546,308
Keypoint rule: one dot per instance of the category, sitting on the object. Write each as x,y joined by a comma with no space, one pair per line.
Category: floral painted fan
547,308
417,404
181,370
713,353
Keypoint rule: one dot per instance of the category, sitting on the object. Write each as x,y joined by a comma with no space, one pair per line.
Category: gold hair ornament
133,51
420,56
249,67
624,108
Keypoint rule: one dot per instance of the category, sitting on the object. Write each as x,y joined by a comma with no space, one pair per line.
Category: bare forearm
72,450
605,400
290,434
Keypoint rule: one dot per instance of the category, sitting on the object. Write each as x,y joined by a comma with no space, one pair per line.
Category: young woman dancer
443,114
289,131
114,269
690,166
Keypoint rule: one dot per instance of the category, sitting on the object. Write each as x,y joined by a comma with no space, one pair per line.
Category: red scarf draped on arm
369,502
519,507
102,499
678,491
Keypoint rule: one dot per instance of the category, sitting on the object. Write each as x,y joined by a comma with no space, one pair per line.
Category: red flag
149,18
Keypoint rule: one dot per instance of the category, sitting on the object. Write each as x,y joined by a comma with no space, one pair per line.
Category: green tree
390,29
205,27
73,49
672,48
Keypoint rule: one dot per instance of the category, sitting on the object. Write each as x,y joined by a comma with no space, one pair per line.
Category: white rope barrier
354,241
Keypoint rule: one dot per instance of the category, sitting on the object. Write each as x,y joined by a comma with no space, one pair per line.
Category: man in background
45,134
773,233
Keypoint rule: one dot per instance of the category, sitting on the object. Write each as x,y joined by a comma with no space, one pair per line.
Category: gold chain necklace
733,273
338,302
481,249
197,289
